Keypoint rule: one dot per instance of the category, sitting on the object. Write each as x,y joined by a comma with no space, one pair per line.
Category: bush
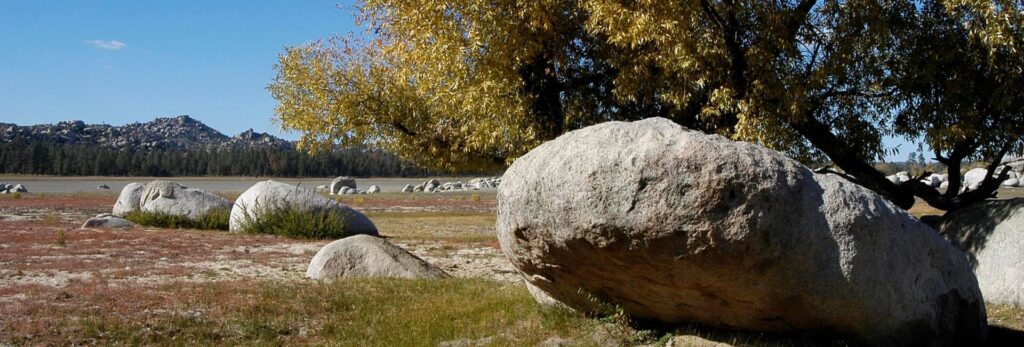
213,220
298,223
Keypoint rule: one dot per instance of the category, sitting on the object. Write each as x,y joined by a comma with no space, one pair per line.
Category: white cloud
112,45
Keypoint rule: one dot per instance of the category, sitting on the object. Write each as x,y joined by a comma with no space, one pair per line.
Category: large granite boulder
991,233
342,182
271,195
368,256
673,225
129,200
175,199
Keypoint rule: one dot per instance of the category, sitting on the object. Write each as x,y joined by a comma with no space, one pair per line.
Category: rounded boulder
369,256
271,195
673,225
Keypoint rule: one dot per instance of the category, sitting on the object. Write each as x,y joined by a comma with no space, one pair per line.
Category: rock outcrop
369,256
271,195
673,225
181,132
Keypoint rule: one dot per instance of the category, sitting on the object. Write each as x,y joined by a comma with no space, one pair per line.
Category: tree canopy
469,84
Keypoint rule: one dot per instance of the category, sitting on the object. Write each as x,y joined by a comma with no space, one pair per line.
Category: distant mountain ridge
181,132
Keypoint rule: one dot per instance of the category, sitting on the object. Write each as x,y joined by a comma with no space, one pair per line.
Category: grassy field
60,285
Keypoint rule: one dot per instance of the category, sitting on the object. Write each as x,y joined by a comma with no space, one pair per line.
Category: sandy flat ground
44,255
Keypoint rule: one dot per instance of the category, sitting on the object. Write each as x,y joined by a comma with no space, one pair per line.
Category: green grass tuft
213,220
298,223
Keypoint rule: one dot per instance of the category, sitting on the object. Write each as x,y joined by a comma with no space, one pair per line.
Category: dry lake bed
61,285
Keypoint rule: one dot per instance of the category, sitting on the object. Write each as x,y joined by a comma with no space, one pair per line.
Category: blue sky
119,62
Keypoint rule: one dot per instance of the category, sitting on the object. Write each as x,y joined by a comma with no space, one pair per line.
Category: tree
467,83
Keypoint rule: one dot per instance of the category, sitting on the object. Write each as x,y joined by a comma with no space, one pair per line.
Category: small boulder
129,200
272,195
369,256
407,189
374,189
342,182
102,187
108,221
18,188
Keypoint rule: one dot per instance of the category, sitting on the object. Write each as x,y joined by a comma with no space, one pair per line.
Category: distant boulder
374,189
270,195
973,178
102,187
369,256
342,182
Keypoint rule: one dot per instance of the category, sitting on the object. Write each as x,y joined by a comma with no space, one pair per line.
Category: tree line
42,158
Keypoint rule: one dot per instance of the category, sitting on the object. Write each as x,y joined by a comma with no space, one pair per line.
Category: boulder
175,199
903,176
673,225
991,233
18,188
129,200
107,221
543,298
893,179
342,182
973,178
407,189
271,195
1012,182
369,256
1016,165
102,187
374,189
932,180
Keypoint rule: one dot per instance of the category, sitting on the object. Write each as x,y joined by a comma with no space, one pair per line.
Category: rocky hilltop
181,132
